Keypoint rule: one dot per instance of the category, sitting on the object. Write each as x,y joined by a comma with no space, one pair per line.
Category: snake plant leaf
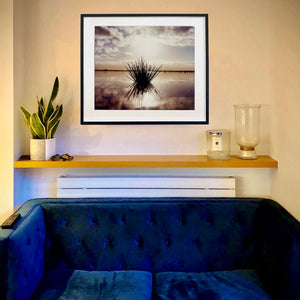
41,103
54,119
49,108
26,116
54,129
41,109
57,112
54,89
37,126
48,111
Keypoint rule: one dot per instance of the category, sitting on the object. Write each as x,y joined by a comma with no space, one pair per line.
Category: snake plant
43,124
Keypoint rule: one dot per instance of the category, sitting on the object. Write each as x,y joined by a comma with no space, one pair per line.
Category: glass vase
247,123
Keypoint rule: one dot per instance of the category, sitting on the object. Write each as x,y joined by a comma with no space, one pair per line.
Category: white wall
285,94
238,72
243,53
7,107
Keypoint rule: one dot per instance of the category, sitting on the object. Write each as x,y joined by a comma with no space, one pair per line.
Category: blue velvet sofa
162,248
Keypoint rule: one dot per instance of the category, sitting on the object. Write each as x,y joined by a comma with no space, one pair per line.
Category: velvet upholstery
163,236
67,284
24,267
222,285
55,238
113,285
279,241
53,284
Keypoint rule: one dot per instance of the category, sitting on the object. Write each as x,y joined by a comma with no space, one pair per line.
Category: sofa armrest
22,251
279,240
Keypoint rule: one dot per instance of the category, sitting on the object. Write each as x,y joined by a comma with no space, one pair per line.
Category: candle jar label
216,143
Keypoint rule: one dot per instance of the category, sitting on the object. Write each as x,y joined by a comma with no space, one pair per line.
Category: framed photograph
144,69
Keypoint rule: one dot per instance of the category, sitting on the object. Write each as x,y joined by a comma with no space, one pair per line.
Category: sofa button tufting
167,243
108,243
151,263
63,222
123,220
224,242
210,220
77,243
139,243
180,264
92,266
151,219
28,241
238,220
94,221
182,220
195,243
209,266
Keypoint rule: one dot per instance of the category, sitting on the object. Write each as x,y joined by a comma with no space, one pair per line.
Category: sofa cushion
66,284
223,285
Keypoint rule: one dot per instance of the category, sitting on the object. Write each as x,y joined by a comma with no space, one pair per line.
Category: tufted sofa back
173,234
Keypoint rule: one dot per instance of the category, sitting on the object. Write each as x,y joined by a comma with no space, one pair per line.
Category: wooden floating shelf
147,161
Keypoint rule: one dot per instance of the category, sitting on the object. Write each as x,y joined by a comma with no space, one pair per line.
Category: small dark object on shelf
55,157
66,156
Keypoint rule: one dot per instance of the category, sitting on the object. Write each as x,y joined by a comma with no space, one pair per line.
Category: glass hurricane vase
247,123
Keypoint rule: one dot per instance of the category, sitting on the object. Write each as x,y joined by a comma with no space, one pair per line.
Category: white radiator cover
145,186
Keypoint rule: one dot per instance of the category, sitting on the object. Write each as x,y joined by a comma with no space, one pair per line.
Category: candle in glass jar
218,144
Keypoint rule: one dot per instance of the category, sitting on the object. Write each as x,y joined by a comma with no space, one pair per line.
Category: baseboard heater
145,186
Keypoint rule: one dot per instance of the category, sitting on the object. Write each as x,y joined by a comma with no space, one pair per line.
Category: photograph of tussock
144,67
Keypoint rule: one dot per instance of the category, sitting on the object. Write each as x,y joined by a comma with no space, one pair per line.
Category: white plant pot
42,149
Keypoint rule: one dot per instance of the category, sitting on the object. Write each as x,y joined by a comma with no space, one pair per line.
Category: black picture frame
144,69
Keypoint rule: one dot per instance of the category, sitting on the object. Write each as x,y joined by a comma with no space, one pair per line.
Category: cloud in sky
171,46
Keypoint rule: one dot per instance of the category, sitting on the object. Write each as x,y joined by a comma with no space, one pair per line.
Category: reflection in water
172,91
141,93
135,91
141,75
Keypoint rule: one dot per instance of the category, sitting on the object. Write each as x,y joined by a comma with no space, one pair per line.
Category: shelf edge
147,161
